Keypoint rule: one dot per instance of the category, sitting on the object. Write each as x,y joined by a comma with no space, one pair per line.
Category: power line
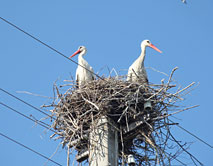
36,121
193,135
38,40
26,103
181,146
29,149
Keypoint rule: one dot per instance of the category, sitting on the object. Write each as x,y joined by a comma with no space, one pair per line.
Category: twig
52,154
122,143
157,71
91,103
68,156
122,114
29,93
170,77
155,94
184,88
161,117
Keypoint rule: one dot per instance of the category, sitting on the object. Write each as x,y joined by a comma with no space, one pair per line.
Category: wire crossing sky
24,102
15,26
112,32
29,149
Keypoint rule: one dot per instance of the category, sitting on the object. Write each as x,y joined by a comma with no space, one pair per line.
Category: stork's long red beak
77,52
155,48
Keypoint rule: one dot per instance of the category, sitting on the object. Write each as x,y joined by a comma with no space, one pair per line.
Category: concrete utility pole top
103,149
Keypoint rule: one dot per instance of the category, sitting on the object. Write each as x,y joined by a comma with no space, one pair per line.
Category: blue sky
112,32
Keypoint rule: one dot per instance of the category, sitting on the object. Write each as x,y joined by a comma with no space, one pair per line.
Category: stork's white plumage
137,71
84,72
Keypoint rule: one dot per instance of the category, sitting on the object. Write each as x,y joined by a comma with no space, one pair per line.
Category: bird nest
140,113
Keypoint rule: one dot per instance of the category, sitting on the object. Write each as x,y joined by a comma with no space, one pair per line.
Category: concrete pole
103,150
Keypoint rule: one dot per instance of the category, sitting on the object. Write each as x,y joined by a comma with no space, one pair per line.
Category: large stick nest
139,111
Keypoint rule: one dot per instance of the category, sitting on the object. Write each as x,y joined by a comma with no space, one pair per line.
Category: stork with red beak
84,72
137,71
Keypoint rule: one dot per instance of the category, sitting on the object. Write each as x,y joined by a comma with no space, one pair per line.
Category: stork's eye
148,41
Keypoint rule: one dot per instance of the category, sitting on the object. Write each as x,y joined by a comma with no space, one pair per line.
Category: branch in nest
90,103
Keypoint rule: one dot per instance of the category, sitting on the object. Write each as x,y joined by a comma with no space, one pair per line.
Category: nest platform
141,113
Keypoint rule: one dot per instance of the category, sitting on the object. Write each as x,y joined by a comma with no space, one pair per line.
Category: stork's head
81,50
146,43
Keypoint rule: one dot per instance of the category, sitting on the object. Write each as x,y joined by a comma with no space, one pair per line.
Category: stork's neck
141,58
80,57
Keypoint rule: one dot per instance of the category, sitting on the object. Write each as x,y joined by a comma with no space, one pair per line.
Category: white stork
137,71
84,72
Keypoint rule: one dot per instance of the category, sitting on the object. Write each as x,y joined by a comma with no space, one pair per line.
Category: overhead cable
26,147
193,135
36,121
26,103
38,40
